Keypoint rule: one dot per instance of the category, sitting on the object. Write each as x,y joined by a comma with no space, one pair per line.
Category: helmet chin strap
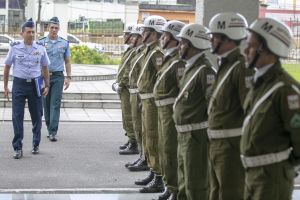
126,41
184,55
146,38
253,62
215,50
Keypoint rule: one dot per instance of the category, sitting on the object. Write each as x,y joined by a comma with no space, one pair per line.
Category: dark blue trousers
23,89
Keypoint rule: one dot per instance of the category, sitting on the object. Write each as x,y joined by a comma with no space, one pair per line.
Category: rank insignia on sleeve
248,81
36,53
295,121
210,79
293,102
159,60
180,71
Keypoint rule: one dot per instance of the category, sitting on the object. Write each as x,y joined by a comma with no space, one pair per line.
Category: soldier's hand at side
67,83
45,91
6,93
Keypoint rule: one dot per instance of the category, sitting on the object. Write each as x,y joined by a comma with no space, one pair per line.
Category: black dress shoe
131,149
123,146
146,180
155,186
35,150
18,154
165,195
140,166
173,196
52,138
132,163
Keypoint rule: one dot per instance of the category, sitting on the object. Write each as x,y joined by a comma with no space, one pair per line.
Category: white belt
266,159
133,91
164,102
146,96
191,127
224,133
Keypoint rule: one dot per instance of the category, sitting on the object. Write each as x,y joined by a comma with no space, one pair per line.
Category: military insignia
293,102
36,53
14,43
210,79
186,95
248,81
295,121
46,45
20,56
159,60
40,43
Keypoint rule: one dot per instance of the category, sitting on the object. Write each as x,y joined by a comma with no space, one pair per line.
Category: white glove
113,86
116,88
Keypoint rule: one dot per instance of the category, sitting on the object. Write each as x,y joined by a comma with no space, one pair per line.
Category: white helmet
128,28
156,22
174,27
277,35
196,34
231,24
137,29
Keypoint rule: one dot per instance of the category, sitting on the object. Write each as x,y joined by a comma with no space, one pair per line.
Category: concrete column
206,9
61,10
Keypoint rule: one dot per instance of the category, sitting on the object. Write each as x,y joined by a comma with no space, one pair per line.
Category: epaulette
42,38
63,38
40,43
14,43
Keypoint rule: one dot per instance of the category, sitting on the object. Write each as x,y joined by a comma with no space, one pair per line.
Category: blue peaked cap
29,23
54,20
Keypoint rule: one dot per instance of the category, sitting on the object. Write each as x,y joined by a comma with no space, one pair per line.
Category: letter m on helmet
189,32
266,27
221,24
151,22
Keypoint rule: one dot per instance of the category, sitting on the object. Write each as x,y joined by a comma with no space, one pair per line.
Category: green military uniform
165,91
134,98
122,79
150,65
190,116
225,120
273,127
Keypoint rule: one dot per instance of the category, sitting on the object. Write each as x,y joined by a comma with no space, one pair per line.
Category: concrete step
76,103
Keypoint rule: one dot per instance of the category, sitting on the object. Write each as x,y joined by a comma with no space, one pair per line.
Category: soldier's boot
155,186
165,195
131,148
123,146
173,196
139,166
146,180
134,162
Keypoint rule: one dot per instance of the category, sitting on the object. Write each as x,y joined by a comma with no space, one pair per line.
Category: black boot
130,149
140,166
173,196
123,146
146,180
165,195
133,163
155,186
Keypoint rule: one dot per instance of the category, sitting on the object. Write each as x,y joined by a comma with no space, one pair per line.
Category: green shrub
85,55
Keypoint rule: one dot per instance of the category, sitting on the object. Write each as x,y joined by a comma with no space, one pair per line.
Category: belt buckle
28,80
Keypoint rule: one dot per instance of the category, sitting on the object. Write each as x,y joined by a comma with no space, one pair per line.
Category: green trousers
227,176
168,147
126,114
193,165
150,134
136,113
270,182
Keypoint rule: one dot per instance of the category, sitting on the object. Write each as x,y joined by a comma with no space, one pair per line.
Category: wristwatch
69,77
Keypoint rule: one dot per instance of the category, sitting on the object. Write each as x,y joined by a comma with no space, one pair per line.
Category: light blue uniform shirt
57,51
27,62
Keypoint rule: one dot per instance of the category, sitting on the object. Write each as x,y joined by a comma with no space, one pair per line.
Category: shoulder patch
295,121
14,43
42,38
159,60
39,43
248,81
210,79
293,102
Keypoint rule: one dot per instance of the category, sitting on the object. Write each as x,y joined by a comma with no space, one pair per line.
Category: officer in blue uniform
58,51
30,62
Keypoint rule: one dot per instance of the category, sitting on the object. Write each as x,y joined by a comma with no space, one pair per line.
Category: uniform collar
56,40
269,74
170,51
230,56
190,62
23,45
138,48
261,71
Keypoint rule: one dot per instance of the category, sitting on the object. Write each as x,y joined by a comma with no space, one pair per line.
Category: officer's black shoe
35,150
18,154
165,195
155,186
146,180
52,138
131,148
133,163
140,166
123,146
173,196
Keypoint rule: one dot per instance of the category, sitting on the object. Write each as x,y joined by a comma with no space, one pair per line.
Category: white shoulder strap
124,63
134,64
144,67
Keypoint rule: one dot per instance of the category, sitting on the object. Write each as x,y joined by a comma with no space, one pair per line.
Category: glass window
72,39
2,3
